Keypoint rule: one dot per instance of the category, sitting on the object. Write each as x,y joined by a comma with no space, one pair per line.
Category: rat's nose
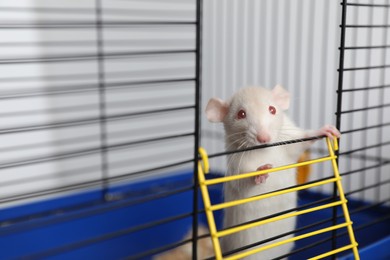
263,138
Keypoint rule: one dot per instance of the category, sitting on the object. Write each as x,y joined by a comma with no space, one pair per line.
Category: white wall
247,42
295,43
123,96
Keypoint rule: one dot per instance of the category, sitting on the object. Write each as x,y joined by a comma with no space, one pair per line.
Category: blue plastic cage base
114,230
379,251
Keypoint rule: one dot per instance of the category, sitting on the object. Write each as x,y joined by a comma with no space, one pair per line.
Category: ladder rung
271,194
281,168
341,249
293,214
317,232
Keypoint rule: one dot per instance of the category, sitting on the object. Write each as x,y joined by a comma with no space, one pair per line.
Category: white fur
242,133
249,162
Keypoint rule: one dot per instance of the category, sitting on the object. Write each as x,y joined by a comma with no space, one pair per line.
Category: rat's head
253,116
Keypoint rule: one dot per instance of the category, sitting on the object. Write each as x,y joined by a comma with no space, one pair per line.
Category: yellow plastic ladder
209,208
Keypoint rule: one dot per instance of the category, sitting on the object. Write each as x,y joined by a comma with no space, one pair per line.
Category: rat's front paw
262,177
330,131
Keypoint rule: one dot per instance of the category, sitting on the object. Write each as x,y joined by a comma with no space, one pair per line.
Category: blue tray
112,229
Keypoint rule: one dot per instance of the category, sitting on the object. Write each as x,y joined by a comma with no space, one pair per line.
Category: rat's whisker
235,143
238,133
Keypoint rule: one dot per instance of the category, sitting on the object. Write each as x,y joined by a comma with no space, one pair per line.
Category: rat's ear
281,97
216,110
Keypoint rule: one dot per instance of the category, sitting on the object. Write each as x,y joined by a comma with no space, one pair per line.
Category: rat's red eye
272,110
241,114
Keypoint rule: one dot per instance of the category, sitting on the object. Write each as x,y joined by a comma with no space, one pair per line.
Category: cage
102,117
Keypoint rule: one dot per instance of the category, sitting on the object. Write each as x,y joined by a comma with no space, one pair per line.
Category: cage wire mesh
101,111
362,108
84,84
89,89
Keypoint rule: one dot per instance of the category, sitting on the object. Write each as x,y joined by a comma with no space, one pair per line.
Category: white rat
255,116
